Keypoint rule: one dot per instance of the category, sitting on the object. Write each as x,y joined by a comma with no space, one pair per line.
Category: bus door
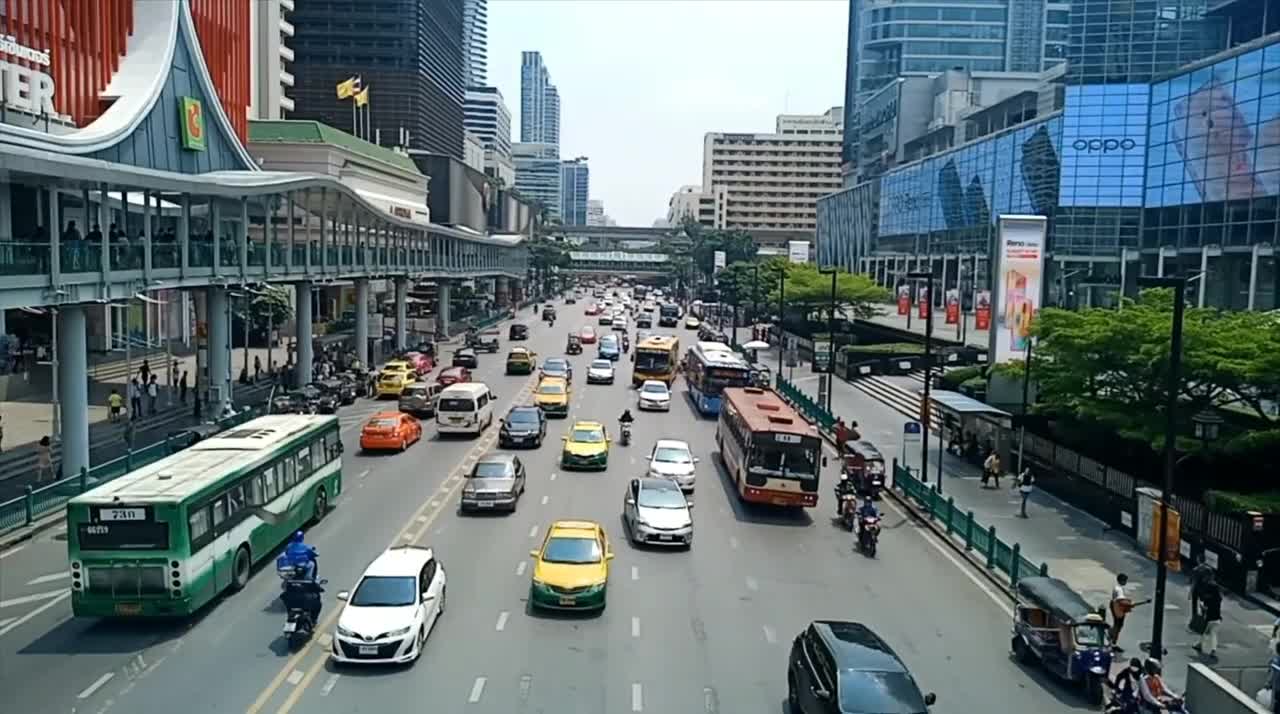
220,549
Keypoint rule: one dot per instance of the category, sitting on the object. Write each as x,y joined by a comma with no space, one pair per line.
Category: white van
465,408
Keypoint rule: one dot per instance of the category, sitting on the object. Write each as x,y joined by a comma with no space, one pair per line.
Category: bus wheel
240,569
321,506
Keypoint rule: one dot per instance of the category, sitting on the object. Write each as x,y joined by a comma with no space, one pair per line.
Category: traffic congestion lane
48,659
703,630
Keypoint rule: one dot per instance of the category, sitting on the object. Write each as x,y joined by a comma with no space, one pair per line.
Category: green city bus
167,538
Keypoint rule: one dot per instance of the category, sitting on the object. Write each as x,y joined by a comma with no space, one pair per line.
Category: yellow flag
362,97
348,88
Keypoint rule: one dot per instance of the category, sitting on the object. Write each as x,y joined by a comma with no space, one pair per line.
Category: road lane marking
520,567
50,578
32,598
422,519
635,627
329,684
27,617
637,697
502,621
752,585
295,676
769,635
362,474
635,572
553,476
733,542
11,551
97,684
477,690
7,620
545,499
533,532
326,640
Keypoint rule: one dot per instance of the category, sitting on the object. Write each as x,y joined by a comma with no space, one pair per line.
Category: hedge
952,379
1231,501
888,348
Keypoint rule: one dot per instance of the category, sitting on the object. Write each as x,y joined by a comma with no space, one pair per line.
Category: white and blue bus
709,368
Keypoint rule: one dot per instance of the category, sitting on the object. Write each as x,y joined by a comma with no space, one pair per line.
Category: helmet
297,537
1153,666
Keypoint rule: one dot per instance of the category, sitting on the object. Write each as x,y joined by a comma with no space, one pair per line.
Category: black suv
845,668
523,426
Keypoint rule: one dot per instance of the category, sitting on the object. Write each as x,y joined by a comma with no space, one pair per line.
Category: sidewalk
889,317
1077,548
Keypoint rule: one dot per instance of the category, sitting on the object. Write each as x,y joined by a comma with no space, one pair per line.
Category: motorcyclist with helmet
1124,688
866,511
1154,694
626,420
301,555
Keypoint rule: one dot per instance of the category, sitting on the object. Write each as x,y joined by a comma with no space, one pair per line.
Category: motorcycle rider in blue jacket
300,554
866,510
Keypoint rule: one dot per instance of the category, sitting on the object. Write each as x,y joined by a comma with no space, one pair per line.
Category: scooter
869,535
289,570
625,435
299,624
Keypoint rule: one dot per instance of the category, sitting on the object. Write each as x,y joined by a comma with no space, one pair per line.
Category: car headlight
538,584
398,633
345,632
595,588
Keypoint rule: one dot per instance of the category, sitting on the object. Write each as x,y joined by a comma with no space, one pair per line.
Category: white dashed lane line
502,621
329,684
477,690
635,627
533,532
769,635
50,578
635,572
637,697
97,684
545,499
520,568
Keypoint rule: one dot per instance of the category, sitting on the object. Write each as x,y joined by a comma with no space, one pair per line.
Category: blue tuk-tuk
1054,626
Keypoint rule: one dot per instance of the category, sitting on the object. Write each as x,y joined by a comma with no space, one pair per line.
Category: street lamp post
831,334
1179,287
755,297
925,406
782,320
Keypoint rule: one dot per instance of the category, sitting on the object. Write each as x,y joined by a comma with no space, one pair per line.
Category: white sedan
655,396
388,616
600,371
672,459
692,323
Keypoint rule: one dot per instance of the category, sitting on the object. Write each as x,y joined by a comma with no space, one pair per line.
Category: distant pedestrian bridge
618,261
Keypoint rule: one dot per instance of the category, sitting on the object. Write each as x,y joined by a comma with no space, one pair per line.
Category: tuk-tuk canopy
865,449
1056,597
574,338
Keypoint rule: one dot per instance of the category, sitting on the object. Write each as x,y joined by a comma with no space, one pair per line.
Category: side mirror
631,501
696,460
324,581
648,457
930,698
564,438
688,502
609,556
824,462
533,554
344,596
428,599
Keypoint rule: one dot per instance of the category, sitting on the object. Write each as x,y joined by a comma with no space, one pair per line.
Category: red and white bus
772,454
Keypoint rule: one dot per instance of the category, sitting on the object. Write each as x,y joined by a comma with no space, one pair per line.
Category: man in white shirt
1120,606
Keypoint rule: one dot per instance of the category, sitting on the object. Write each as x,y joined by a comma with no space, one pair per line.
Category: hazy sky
641,81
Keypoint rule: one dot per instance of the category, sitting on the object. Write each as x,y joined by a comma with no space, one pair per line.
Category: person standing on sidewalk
1211,613
115,405
44,459
1120,607
257,368
135,399
145,371
153,394
1200,575
1024,488
182,388
991,469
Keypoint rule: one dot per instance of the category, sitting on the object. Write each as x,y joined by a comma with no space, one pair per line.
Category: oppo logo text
1106,146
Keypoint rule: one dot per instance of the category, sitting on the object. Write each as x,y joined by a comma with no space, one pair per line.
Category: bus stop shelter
967,427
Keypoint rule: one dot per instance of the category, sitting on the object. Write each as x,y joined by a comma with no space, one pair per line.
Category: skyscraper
575,186
539,102
487,116
415,71
538,174
268,53
1114,42
475,41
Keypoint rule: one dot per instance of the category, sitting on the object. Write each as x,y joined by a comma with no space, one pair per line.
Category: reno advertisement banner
953,306
1215,132
904,299
982,310
1019,272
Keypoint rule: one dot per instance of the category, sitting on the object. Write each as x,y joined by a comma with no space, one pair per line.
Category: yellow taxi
395,376
586,446
552,395
521,361
571,570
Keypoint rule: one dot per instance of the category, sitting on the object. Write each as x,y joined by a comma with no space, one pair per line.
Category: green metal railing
806,405
999,556
41,499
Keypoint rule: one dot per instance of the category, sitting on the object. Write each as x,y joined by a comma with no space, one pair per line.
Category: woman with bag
1208,619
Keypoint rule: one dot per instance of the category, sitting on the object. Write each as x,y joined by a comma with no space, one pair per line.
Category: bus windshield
796,461
647,360
670,311
715,379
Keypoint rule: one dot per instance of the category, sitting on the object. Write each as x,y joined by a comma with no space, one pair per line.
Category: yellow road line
443,495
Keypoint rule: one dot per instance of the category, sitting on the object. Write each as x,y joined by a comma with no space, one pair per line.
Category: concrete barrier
1212,693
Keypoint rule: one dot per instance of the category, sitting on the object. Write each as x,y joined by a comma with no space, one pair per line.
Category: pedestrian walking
257,368
1211,619
1024,488
1,437
182,388
991,469
1120,607
44,459
1200,575
115,405
153,394
145,371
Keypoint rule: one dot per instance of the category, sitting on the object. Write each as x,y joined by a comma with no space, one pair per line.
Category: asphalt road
707,630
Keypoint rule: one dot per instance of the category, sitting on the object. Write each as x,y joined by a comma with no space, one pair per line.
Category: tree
546,256
806,291
269,307
1111,366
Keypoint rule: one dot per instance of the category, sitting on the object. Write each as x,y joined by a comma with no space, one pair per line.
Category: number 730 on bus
771,453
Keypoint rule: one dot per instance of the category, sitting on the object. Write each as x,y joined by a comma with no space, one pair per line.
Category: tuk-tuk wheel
1021,652
1095,689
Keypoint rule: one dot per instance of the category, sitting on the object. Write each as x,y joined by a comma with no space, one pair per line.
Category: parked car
317,399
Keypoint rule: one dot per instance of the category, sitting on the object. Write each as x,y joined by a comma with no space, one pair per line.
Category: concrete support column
501,292
6,215
73,385
215,305
303,300
362,321
402,317
444,292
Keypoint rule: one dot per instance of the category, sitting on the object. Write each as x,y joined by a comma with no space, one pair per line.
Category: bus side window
257,495
235,500
269,478
219,511
332,446
285,473
318,454
198,527
304,465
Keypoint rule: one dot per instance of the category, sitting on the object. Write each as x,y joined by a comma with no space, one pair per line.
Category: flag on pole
348,88
362,97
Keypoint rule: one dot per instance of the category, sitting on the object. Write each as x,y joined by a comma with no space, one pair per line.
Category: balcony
286,27
286,52
286,78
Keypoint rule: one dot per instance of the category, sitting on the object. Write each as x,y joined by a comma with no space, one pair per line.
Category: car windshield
654,389
602,364
558,365
551,389
454,404
672,455
662,498
652,361
415,391
609,340
880,692
1090,636
383,423
491,469
523,417
382,591
572,550
587,436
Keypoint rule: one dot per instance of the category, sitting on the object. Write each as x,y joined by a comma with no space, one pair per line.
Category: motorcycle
1122,703
626,433
299,623
869,535
290,570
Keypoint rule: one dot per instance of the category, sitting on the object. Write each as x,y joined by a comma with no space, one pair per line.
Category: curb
37,527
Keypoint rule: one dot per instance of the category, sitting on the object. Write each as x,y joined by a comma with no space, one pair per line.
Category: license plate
485,504
567,600
368,650
781,502
290,627
664,537
128,608
455,420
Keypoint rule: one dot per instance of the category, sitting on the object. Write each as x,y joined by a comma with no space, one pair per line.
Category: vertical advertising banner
904,299
922,304
953,306
982,310
1018,277
798,251
719,260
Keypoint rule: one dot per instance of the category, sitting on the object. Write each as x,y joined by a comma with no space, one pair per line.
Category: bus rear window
454,404
123,535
